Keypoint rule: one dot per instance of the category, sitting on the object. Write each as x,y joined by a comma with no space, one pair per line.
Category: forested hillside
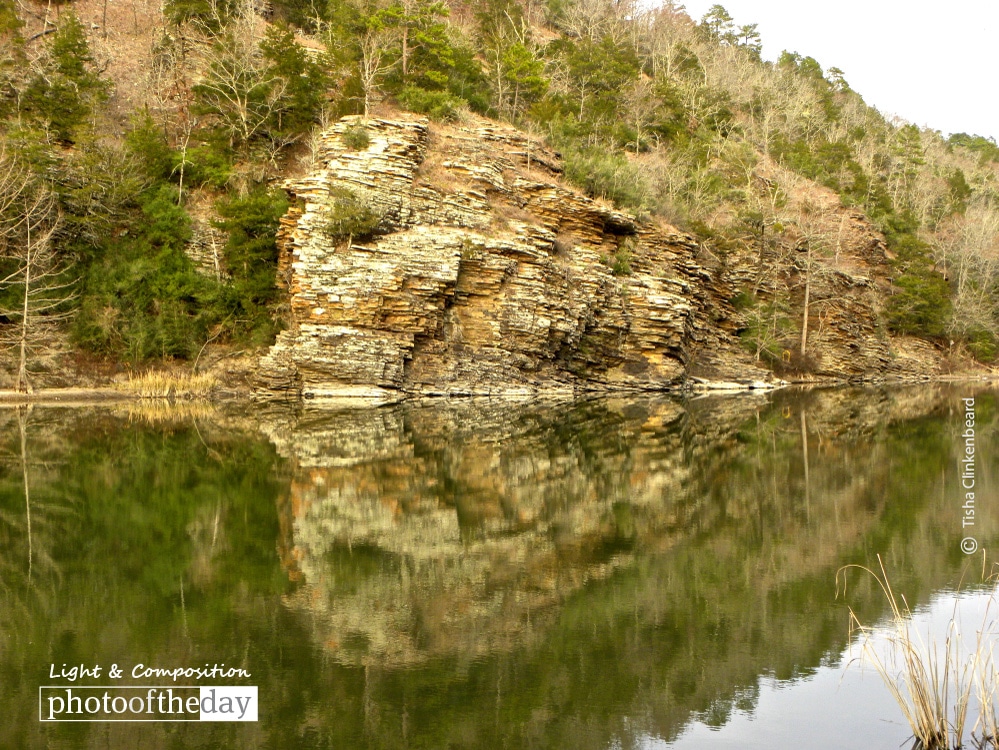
142,150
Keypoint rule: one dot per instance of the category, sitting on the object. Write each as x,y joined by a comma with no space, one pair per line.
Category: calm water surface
633,573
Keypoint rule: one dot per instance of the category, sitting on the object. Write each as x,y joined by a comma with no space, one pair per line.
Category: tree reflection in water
473,574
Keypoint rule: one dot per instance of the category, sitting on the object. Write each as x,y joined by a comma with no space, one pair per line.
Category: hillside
664,202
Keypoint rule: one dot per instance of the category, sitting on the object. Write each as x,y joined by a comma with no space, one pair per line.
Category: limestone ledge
486,275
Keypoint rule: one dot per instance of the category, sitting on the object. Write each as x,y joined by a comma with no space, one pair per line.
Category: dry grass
157,384
934,685
449,180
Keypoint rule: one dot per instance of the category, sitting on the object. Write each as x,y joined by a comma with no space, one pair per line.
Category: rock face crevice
485,275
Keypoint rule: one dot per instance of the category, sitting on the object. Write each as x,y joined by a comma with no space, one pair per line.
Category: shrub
148,144
66,89
438,105
920,304
621,263
350,217
983,345
356,138
605,174
206,165
142,297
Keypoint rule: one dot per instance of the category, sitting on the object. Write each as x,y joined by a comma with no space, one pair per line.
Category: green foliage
235,91
427,55
65,92
986,148
356,138
521,81
251,256
920,301
605,174
768,328
349,217
439,105
719,24
749,38
498,20
273,92
830,163
621,263
147,143
983,345
920,304
213,14
300,81
807,67
142,297
959,191
98,185
300,13
10,23
466,80
208,165
599,71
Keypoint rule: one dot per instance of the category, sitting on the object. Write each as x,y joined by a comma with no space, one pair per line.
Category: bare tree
970,244
29,219
376,43
237,87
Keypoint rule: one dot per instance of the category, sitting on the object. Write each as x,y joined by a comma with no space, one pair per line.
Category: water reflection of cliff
471,575
422,532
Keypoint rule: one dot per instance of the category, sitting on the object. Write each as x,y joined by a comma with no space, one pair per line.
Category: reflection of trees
30,522
570,576
33,523
143,539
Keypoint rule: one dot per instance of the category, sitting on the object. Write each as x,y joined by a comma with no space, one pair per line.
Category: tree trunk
22,367
804,456
808,290
405,53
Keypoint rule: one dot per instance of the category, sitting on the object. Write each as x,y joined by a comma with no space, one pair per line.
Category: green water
603,574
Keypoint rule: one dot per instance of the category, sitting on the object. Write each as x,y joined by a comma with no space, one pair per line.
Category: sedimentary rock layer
485,274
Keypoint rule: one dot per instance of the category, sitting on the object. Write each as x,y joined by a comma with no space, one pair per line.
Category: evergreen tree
301,82
66,90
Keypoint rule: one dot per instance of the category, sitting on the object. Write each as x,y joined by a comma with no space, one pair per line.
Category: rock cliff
478,271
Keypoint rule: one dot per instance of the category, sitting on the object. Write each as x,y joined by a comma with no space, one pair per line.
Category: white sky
931,63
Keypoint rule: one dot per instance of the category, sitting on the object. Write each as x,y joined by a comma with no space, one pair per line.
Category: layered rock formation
485,274
834,255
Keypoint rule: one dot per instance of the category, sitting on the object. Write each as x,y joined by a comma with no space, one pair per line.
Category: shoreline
97,395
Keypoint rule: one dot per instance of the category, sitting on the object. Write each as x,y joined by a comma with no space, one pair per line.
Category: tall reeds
167,385
935,685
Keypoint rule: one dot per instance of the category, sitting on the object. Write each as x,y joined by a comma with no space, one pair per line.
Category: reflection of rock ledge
460,529
469,527
337,396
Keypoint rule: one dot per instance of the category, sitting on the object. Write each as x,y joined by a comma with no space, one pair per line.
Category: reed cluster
938,686
156,384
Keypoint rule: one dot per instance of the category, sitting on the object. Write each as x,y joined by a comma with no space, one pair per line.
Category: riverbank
177,390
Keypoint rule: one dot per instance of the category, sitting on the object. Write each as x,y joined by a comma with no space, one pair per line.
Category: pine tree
300,81
65,91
